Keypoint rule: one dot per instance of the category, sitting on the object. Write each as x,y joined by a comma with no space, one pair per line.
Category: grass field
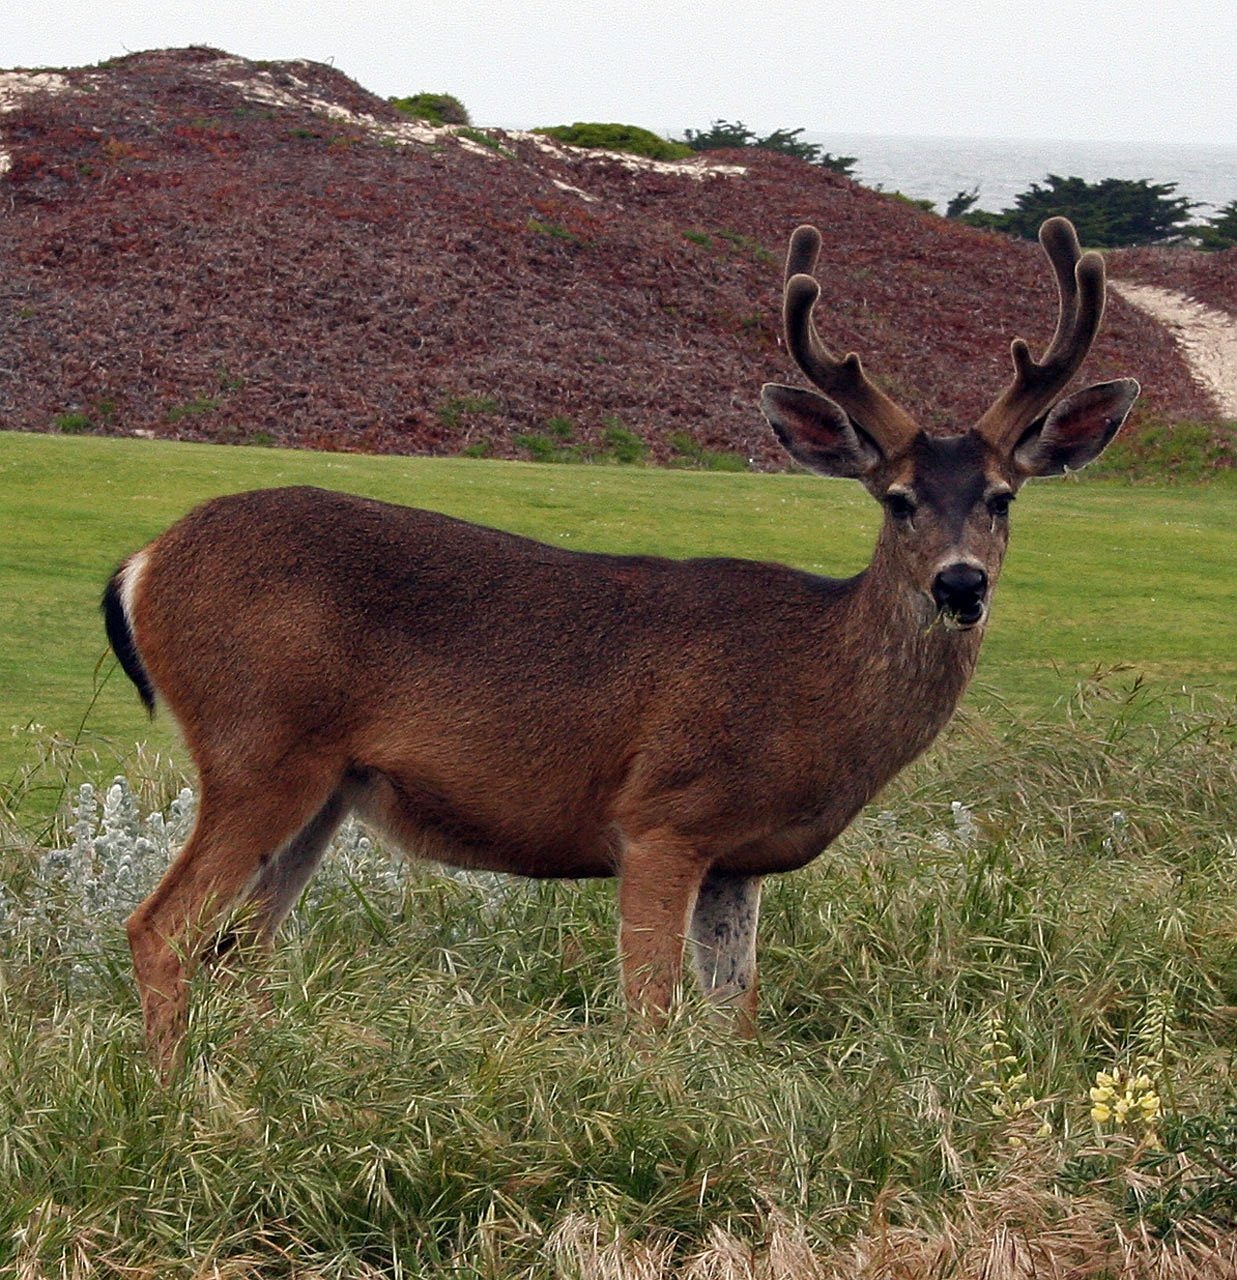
1099,574
449,1086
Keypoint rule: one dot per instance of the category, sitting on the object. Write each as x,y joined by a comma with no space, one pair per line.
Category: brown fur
493,702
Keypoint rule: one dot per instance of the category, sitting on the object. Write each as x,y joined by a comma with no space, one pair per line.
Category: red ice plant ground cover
1210,278
201,247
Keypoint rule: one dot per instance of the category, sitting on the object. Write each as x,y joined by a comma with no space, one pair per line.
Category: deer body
456,649
493,702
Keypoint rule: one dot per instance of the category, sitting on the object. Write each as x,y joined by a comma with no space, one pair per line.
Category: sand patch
1207,337
696,167
17,85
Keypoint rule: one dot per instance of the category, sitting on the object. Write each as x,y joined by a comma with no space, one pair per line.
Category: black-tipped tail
120,637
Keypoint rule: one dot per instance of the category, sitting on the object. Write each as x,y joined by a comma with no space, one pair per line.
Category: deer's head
947,498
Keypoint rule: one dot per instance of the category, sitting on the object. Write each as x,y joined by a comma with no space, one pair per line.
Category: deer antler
1080,286
844,380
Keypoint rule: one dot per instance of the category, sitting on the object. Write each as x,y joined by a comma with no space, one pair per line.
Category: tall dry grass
448,1086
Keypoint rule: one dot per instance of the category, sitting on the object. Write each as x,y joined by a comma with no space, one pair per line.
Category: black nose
960,589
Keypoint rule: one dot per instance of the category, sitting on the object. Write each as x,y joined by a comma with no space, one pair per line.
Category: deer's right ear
817,433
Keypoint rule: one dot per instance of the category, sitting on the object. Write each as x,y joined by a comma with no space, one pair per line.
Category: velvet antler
1037,383
843,380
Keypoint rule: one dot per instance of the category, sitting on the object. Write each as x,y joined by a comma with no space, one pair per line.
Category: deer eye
998,504
900,506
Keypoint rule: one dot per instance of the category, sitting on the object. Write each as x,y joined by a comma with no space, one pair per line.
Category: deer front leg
723,937
660,877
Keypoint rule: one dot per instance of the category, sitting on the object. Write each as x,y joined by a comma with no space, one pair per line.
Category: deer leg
723,943
659,880
279,883
238,829
283,878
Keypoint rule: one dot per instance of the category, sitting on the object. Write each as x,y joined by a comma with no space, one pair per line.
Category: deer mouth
965,617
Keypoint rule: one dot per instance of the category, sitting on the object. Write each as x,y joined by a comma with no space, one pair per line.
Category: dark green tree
720,136
1219,232
723,133
1112,212
961,203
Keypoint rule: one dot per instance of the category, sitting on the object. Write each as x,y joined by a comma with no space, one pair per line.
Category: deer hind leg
282,878
659,880
240,830
723,943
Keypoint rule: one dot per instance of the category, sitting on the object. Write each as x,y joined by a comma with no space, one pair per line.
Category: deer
490,702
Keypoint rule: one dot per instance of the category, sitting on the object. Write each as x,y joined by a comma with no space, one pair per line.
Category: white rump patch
130,578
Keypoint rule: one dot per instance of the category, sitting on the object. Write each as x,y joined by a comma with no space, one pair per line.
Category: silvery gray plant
79,895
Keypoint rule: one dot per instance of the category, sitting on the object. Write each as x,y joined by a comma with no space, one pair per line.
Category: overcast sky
1123,70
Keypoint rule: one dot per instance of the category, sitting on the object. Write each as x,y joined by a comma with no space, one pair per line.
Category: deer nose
959,589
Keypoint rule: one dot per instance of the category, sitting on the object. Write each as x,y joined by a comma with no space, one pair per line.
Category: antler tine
1036,383
804,250
843,380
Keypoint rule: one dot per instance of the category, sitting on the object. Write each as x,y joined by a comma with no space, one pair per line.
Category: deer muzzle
961,594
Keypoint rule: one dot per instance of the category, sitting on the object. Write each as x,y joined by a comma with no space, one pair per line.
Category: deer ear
1076,429
817,433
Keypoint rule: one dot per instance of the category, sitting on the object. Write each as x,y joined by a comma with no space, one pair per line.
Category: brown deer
491,702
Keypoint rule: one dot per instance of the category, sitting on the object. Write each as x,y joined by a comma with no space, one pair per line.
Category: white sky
1122,70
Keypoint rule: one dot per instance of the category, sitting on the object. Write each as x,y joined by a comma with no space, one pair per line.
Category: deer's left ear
1076,429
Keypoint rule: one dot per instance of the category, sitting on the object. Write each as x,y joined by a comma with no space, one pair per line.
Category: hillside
1211,278
202,247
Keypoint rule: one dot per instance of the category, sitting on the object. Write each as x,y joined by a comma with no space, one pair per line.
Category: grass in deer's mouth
955,621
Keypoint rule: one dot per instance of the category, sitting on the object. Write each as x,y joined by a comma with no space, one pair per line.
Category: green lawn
1100,573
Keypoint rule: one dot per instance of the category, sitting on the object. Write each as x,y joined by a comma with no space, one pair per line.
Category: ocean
937,169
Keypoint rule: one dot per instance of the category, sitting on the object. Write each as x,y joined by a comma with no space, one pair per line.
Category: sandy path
1207,337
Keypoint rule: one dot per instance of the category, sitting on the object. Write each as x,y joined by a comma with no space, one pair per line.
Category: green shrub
456,407
748,245
72,423
483,139
1172,451
961,203
926,205
435,108
556,444
629,138
543,449
193,408
622,445
555,230
691,453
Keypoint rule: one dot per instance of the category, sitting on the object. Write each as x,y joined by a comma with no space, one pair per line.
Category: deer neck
912,659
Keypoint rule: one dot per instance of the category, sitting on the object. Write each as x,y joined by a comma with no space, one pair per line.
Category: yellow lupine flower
1124,1098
